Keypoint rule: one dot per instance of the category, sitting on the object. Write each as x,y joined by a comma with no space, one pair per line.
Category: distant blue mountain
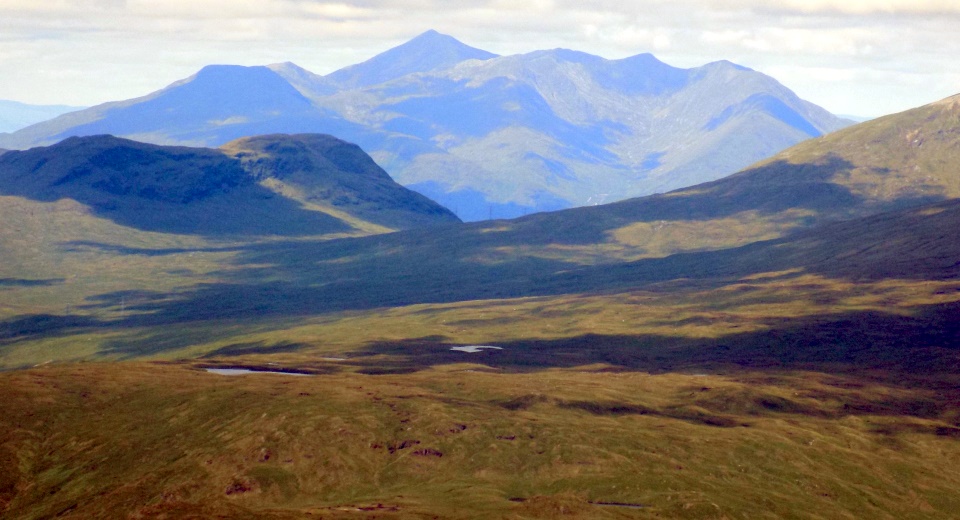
486,135
15,115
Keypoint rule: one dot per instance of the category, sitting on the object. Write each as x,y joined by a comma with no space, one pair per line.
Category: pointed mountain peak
424,53
432,35
725,64
643,60
440,43
229,77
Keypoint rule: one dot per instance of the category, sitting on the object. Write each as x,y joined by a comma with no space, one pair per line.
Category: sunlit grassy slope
779,344
466,442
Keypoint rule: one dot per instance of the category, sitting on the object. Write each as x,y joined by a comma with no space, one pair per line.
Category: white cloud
862,7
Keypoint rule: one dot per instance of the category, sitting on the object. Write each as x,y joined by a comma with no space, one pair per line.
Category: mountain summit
429,51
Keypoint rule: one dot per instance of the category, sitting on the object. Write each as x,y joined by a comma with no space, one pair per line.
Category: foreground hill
482,134
761,382
206,192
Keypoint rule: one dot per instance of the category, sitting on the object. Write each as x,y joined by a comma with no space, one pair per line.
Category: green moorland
778,344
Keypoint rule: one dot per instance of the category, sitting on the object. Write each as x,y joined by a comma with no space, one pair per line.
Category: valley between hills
778,343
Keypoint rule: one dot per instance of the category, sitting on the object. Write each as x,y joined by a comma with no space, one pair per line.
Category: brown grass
146,439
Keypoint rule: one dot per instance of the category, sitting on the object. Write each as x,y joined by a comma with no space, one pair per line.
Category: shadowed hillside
204,192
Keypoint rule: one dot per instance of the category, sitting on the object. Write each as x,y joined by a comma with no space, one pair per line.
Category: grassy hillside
779,344
168,441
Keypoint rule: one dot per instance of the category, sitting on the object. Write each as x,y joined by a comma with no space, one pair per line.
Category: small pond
242,371
473,349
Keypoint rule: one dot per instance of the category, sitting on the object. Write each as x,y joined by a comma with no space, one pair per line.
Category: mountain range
485,135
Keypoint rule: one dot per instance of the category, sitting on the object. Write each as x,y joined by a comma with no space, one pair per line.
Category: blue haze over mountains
15,115
485,135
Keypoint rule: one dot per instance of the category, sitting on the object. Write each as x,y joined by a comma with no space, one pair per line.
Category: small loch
473,349
243,371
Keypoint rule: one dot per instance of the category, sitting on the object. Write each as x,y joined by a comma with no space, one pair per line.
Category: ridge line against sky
860,57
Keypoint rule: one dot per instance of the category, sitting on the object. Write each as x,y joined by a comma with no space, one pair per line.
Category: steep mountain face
15,115
487,136
206,192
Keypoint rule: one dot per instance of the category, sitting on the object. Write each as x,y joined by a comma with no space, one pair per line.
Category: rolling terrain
765,219
781,343
484,135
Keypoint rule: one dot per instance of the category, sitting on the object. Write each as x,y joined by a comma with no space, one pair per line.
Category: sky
853,57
